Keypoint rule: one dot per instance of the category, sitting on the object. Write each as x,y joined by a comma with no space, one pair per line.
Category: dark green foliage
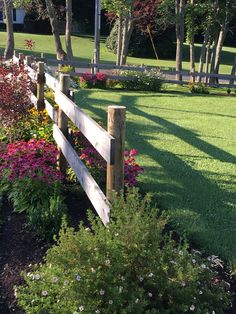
198,88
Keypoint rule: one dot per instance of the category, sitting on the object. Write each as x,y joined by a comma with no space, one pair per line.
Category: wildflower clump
130,266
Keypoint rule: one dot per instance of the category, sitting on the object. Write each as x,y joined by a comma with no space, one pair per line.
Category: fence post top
115,107
64,74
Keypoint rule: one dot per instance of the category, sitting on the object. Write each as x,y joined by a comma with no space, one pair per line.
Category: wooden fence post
116,128
64,84
40,86
21,58
231,82
28,60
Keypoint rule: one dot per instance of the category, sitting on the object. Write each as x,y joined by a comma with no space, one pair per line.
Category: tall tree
61,55
179,27
69,29
9,50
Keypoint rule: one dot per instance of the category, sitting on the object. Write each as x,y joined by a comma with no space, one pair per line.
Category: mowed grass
187,145
83,51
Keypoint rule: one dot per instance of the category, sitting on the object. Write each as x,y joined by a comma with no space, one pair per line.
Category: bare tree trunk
192,51
213,57
203,53
179,12
61,55
119,40
208,58
8,53
128,29
69,29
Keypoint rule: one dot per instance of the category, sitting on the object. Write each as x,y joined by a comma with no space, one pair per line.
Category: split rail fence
109,144
223,80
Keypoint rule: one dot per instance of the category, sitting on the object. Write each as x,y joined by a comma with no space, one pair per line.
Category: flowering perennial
35,159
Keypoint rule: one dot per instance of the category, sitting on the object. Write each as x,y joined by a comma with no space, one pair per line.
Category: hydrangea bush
130,266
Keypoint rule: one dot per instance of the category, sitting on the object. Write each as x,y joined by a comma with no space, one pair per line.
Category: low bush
88,80
198,88
29,176
132,266
15,93
149,80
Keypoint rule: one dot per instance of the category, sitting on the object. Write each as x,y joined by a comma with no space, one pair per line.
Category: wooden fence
109,144
227,80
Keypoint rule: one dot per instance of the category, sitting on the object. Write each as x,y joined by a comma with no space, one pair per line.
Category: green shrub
198,88
132,266
66,69
146,81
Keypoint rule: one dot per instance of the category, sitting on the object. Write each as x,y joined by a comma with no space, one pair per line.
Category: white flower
110,302
200,292
120,289
194,261
140,279
137,300
122,278
150,275
97,312
192,307
149,294
87,229
93,270
66,282
102,292
81,308
54,279
37,277
44,293
181,253
78,277
213,312
116,234
203,266
183,284
107,262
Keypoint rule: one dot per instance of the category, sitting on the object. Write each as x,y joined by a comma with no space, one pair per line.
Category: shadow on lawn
197,205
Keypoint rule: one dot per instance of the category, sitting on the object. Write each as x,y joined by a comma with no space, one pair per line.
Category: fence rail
110,145
228,80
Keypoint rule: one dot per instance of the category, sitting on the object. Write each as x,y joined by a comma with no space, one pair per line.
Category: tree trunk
208,58
61,55
179,12
192,50
119,40
8,53
128,29
203,53
69,29
213,57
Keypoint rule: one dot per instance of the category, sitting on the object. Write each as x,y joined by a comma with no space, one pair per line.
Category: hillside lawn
187,146
83,51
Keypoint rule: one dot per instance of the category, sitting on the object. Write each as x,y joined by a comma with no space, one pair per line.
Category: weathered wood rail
109,144
227,80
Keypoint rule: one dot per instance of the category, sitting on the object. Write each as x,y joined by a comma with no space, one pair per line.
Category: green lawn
83,51
187,145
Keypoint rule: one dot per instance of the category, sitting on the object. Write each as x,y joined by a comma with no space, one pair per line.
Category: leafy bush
132,266
28,174
15,93
66,69
149,80
198,88
88,80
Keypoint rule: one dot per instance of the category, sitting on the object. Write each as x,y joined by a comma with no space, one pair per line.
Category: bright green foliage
43,204
132,266
144,81
198,88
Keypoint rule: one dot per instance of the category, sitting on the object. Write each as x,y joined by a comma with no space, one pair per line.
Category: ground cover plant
187,148
132,266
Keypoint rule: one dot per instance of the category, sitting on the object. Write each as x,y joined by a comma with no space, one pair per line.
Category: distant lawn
83,51
187,145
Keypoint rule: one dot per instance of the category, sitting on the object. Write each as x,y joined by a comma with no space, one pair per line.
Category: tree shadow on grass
196,204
